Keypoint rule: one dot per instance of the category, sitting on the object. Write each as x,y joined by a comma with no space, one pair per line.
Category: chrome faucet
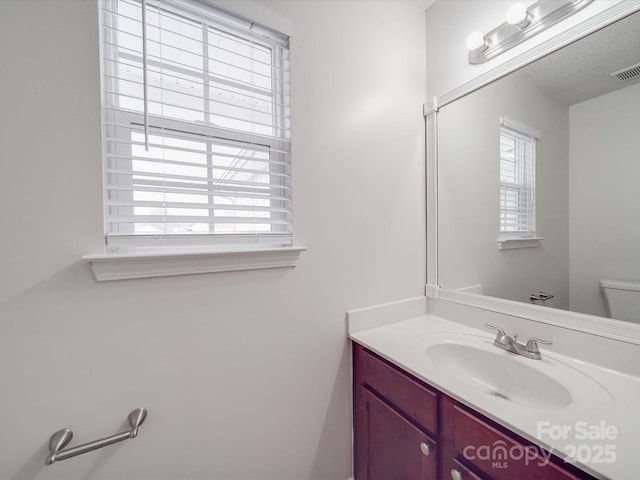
510,344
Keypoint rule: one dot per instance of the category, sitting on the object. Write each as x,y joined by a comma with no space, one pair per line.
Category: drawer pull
455,474
425,448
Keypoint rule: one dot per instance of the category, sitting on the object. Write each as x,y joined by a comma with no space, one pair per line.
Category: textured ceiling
581,70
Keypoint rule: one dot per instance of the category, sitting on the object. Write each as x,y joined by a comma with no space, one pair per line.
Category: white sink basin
499,375
475,362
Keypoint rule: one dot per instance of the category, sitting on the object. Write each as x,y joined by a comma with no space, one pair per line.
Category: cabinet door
389,447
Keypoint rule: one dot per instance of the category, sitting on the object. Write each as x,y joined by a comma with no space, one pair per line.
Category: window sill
519,242
107,267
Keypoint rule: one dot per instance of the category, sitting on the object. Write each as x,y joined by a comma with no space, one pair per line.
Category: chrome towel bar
61,439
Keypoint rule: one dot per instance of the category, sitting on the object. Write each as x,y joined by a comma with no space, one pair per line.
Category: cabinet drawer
459,471
407,394
501,457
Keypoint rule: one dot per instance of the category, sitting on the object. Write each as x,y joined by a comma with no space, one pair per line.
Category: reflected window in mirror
517,184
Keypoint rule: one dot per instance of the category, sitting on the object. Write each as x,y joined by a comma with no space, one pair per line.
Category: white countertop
615,424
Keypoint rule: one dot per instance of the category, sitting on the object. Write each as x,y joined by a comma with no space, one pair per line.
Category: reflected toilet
622,299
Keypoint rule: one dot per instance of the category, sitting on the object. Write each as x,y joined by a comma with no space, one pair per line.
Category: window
517,183
196,128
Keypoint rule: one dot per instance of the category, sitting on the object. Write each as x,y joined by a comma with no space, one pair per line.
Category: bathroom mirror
582,125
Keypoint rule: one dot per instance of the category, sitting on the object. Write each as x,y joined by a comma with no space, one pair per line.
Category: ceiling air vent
628,73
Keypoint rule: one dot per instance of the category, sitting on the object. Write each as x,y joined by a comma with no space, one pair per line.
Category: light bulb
476,41
518,15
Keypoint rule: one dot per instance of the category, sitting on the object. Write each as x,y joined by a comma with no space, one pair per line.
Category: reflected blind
196,127
517,182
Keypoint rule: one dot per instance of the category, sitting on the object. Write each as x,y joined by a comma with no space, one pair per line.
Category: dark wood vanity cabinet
407,430
395,420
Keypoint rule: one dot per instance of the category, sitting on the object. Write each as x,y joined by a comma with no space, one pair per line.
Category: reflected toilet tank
622,299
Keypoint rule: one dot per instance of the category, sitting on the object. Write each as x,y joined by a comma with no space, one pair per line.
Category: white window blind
517,183
196,119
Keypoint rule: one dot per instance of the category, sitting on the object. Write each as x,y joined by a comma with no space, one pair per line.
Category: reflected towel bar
61,439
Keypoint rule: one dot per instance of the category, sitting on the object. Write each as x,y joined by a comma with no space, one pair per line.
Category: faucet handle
498,329
501,333
532,344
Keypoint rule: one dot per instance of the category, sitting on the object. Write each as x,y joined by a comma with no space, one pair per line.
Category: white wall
468,194
605,195
245,375
449,23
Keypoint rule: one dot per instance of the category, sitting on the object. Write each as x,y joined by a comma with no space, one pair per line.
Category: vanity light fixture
518,15
521,23
476,41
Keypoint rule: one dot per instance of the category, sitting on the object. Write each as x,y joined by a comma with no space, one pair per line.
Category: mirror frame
605,327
